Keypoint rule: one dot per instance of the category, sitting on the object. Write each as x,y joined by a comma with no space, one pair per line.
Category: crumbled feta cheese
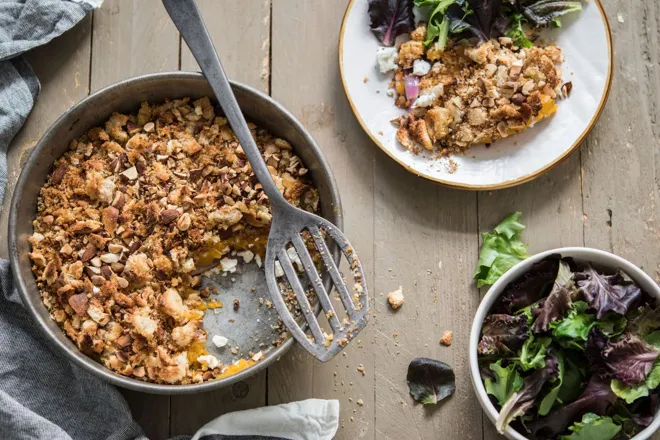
219,341
295,259
247,256
279,272
428,96
229,264
258,356
421,67
386,57
257,259
208,361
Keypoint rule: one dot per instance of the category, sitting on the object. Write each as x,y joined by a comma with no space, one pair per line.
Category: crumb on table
446,338
395,298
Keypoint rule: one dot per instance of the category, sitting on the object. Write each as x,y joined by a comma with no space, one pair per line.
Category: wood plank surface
132,38
241,35
125,44
62,67
305,80
409,232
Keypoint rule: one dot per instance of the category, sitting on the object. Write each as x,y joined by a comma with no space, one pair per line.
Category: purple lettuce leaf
522,400
596,398
531,287
606,293
502,334
558,302
630,359
391,18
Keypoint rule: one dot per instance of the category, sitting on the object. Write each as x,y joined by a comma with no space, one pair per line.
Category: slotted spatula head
288,221
289,224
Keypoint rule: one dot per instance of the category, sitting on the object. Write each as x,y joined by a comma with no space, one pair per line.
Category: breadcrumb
446,338
396,298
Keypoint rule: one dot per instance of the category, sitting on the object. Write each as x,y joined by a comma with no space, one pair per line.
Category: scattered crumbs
619,18
377,91
490,193
440,264
365,80
395,298
352,419
360,368
452,166
334,373
446,338
474,157
381,133
389,270
395,334
350,399
515,143
360,402
234,351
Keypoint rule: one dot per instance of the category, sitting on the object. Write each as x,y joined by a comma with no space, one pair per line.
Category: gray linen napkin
42,396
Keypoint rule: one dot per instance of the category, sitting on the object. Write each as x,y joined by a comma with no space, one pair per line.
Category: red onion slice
411,83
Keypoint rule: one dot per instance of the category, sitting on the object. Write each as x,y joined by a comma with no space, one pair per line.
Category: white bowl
581,255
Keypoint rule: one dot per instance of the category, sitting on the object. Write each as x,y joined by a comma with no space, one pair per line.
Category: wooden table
409,232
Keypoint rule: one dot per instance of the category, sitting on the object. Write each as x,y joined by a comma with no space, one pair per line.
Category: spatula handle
185,15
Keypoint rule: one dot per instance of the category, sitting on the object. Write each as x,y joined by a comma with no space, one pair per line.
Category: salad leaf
612,324
653,339
576,325
390,18
630,359
558,302
593,427
597,398
531,287
549,400
477,18
636,416
437,27
571,386
522,400
501,250
430,381
506,381
532,355
645,321
608,292
517,33
546,12
630,393
502,334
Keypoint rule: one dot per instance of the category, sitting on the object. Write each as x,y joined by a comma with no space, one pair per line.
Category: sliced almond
110,258
131,173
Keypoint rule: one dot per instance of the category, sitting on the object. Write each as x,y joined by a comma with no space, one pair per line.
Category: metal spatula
288,222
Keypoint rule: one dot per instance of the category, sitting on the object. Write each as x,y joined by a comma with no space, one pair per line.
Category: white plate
587,46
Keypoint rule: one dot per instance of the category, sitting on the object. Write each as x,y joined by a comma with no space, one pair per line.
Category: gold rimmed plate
586,42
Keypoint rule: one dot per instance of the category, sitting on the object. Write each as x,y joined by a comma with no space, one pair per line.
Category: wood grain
62,67
305,79
241,35
132,38
427,243
125,44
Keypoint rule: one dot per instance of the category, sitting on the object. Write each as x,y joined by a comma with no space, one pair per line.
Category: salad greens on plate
571,352
467,19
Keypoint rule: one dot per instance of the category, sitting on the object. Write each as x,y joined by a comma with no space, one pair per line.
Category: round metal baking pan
250,326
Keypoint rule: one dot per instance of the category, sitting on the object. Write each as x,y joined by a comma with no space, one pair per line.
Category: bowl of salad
566,345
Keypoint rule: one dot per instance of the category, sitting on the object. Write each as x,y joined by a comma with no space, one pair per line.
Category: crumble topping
395,298
467,95
131,215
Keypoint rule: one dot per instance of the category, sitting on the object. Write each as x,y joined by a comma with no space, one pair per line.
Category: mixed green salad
480,20
571,352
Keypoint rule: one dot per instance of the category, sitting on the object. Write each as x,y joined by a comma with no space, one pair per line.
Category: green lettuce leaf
507,381
653,339
571,386
593,427
576,325
501,250
517,33
532,354
630,393
612,324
